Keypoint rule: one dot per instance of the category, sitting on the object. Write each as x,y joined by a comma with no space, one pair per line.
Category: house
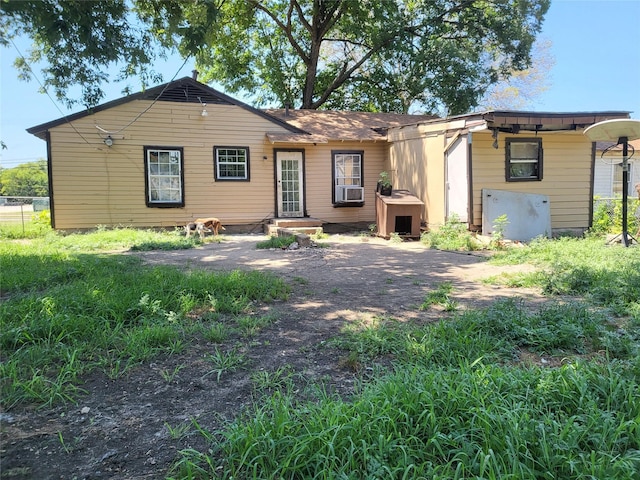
183,150
537,168
607,182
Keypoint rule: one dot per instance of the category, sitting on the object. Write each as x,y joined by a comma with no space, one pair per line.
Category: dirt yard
134,426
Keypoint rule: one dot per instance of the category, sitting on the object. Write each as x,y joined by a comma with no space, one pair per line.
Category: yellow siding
566,175
417,164
94,184
416,160
318,169
98,185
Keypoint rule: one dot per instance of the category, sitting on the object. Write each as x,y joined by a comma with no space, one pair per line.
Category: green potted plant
384,184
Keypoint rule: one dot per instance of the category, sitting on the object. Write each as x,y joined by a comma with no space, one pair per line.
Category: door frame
276,182
457,191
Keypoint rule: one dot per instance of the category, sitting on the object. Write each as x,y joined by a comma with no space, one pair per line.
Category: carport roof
513,121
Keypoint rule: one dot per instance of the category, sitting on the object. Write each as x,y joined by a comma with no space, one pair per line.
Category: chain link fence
21,210
607,215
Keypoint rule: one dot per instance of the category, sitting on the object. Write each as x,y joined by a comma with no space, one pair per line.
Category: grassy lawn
445,400
458,403
71,308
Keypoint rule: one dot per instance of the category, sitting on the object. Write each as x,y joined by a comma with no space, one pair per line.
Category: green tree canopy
390,55
26,180
370,54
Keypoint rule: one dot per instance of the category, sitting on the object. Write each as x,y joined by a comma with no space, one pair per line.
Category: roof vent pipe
286,109
194,74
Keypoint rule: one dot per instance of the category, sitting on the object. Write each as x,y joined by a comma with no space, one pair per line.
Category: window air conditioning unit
350,193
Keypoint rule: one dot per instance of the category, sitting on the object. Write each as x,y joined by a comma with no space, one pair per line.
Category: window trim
508,143
147,191
216,173
335,153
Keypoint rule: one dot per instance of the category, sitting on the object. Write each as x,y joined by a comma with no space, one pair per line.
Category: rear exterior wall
566,176
93,184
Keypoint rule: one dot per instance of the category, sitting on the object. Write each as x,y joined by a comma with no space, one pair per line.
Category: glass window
347,178
231,163
524,159
164,179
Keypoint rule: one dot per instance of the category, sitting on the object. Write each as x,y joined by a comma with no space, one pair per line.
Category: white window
164,178
347,177
231,163
524,159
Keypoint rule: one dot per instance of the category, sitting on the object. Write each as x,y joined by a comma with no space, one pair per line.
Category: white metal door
289,184
458,180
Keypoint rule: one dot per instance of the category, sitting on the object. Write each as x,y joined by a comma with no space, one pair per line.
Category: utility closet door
457,181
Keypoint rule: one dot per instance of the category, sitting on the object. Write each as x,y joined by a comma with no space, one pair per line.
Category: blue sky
595,45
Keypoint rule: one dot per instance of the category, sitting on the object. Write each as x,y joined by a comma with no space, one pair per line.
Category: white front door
289,180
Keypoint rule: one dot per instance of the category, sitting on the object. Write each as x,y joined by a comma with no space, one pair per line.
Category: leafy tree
393,55
26,180
80,42
517,90
370,54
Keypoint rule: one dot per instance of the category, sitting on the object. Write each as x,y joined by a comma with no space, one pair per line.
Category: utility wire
146,109
47,92
65,116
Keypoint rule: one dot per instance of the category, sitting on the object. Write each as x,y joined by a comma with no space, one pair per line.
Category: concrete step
297,222
276,230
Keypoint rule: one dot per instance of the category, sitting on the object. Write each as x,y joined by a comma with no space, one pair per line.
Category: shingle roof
324,125
634,146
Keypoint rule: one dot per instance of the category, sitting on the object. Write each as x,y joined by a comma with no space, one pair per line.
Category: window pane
520,150
347,171
164,169
523,159
231,163
524,170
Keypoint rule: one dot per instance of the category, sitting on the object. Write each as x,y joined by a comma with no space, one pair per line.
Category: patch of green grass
276,242
251,325
216,332
319,235
495,334
266,382
395,237
439,296
224,362
454,406
69,312
467,421
179,431
606,275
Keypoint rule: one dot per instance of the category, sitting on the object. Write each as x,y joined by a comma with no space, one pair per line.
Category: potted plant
384,184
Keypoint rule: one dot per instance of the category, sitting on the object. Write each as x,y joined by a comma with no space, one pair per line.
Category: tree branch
285,28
